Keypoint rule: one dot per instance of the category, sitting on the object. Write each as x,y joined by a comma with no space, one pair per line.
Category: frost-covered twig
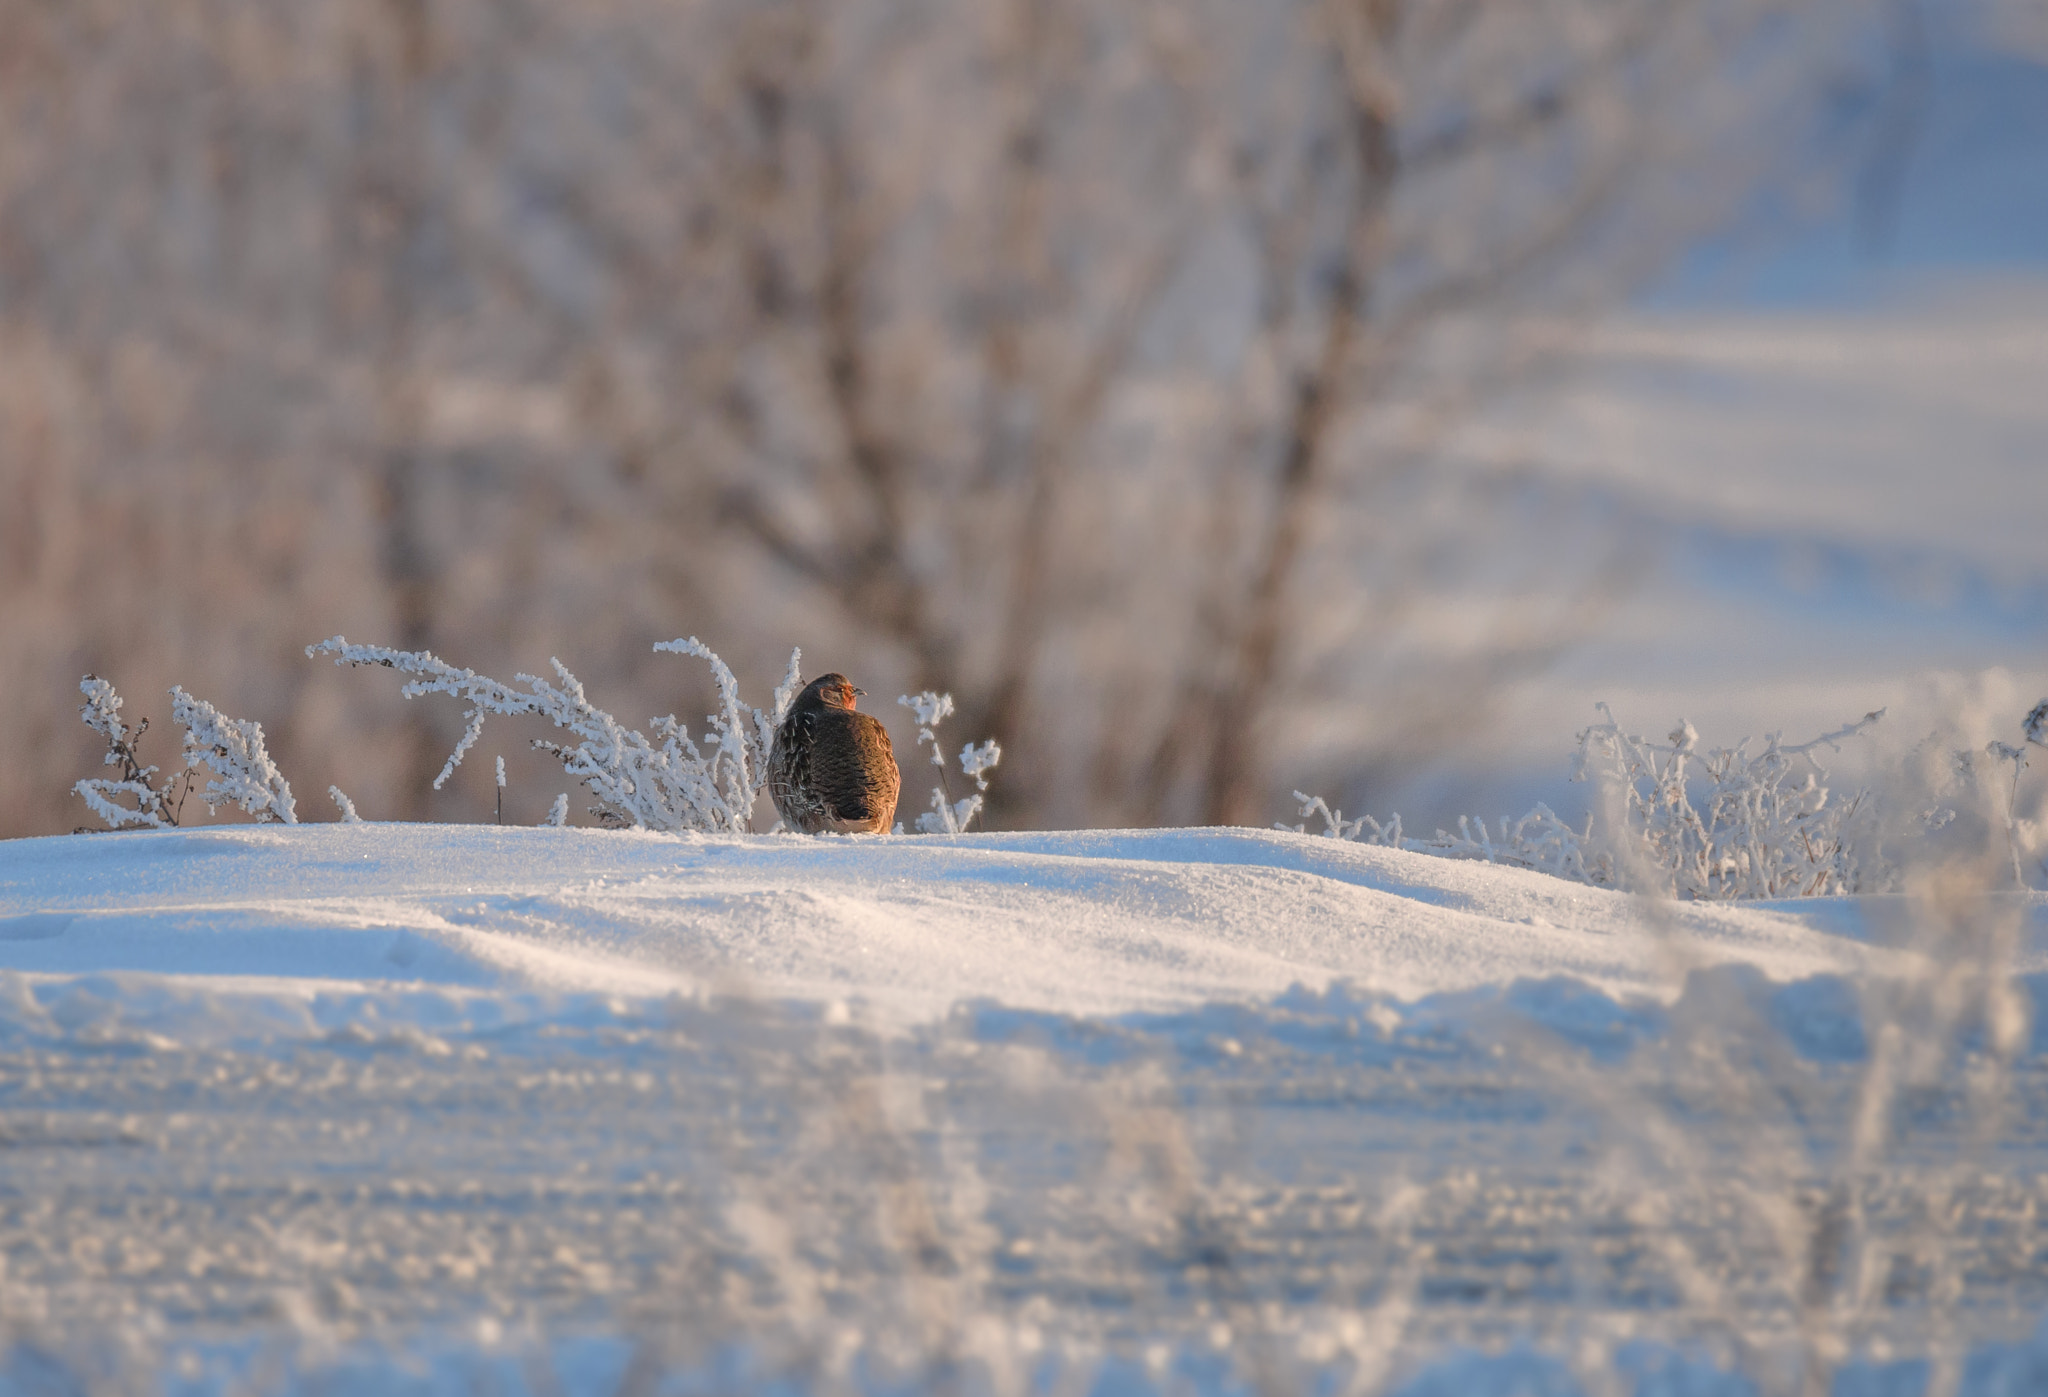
663,782
1335,826
1763,825
1988,778
1539,840
2006,752
978,761
233,747
346,806
948,816
739,767
155,807
2035,728
2035,724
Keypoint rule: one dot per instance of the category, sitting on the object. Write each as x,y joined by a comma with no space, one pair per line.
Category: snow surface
1095,923
380,1108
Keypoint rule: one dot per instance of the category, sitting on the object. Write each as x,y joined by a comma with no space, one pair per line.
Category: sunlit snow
374,1108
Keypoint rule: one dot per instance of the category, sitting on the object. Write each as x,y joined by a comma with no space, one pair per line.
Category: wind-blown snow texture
359,1107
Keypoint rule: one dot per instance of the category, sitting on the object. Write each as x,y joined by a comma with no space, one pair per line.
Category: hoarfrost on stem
154,807
977,762
948,816
662,782
2003,753
345,805
2035,724
233,747
1763,825
1539,840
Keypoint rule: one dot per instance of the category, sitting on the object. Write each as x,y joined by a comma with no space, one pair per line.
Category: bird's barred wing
853,769
789,775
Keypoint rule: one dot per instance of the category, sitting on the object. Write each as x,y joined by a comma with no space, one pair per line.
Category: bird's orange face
840,694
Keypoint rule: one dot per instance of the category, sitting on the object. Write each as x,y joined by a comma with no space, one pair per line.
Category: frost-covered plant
1969,773
1763,825
948,816
2005,753
662,782
157,804
2035,727
231,747
1539,840
2035,724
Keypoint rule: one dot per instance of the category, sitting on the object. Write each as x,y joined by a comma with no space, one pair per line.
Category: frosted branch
1715,824
977,762
152,809
662,782
233,748
949,816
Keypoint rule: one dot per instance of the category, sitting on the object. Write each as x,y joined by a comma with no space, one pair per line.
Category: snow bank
1093,924
393,1108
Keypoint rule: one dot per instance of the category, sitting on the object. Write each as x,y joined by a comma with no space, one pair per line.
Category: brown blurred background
1087,358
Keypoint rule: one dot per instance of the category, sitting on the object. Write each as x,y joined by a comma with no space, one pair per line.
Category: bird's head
832,691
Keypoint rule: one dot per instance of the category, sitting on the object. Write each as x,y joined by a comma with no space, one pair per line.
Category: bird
831,768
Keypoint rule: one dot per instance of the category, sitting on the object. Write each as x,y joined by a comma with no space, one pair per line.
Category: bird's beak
860,693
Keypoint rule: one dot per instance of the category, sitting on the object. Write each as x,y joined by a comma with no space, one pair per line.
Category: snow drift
360,1107
1097,923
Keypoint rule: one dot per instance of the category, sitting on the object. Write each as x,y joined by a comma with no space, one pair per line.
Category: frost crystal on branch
977,762
2004,752
662,782
154,808
948,816
1763,825
2035,724
1539,840
233,747
930,710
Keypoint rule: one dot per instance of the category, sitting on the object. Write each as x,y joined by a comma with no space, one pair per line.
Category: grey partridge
831,768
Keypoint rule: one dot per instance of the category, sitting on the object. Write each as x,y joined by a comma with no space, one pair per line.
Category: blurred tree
1084,359
1104,399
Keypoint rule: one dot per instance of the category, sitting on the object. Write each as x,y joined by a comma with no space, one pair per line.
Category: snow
357,1107
1094,923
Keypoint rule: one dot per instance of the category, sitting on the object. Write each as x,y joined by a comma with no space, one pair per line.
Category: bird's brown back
853,773
833,769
